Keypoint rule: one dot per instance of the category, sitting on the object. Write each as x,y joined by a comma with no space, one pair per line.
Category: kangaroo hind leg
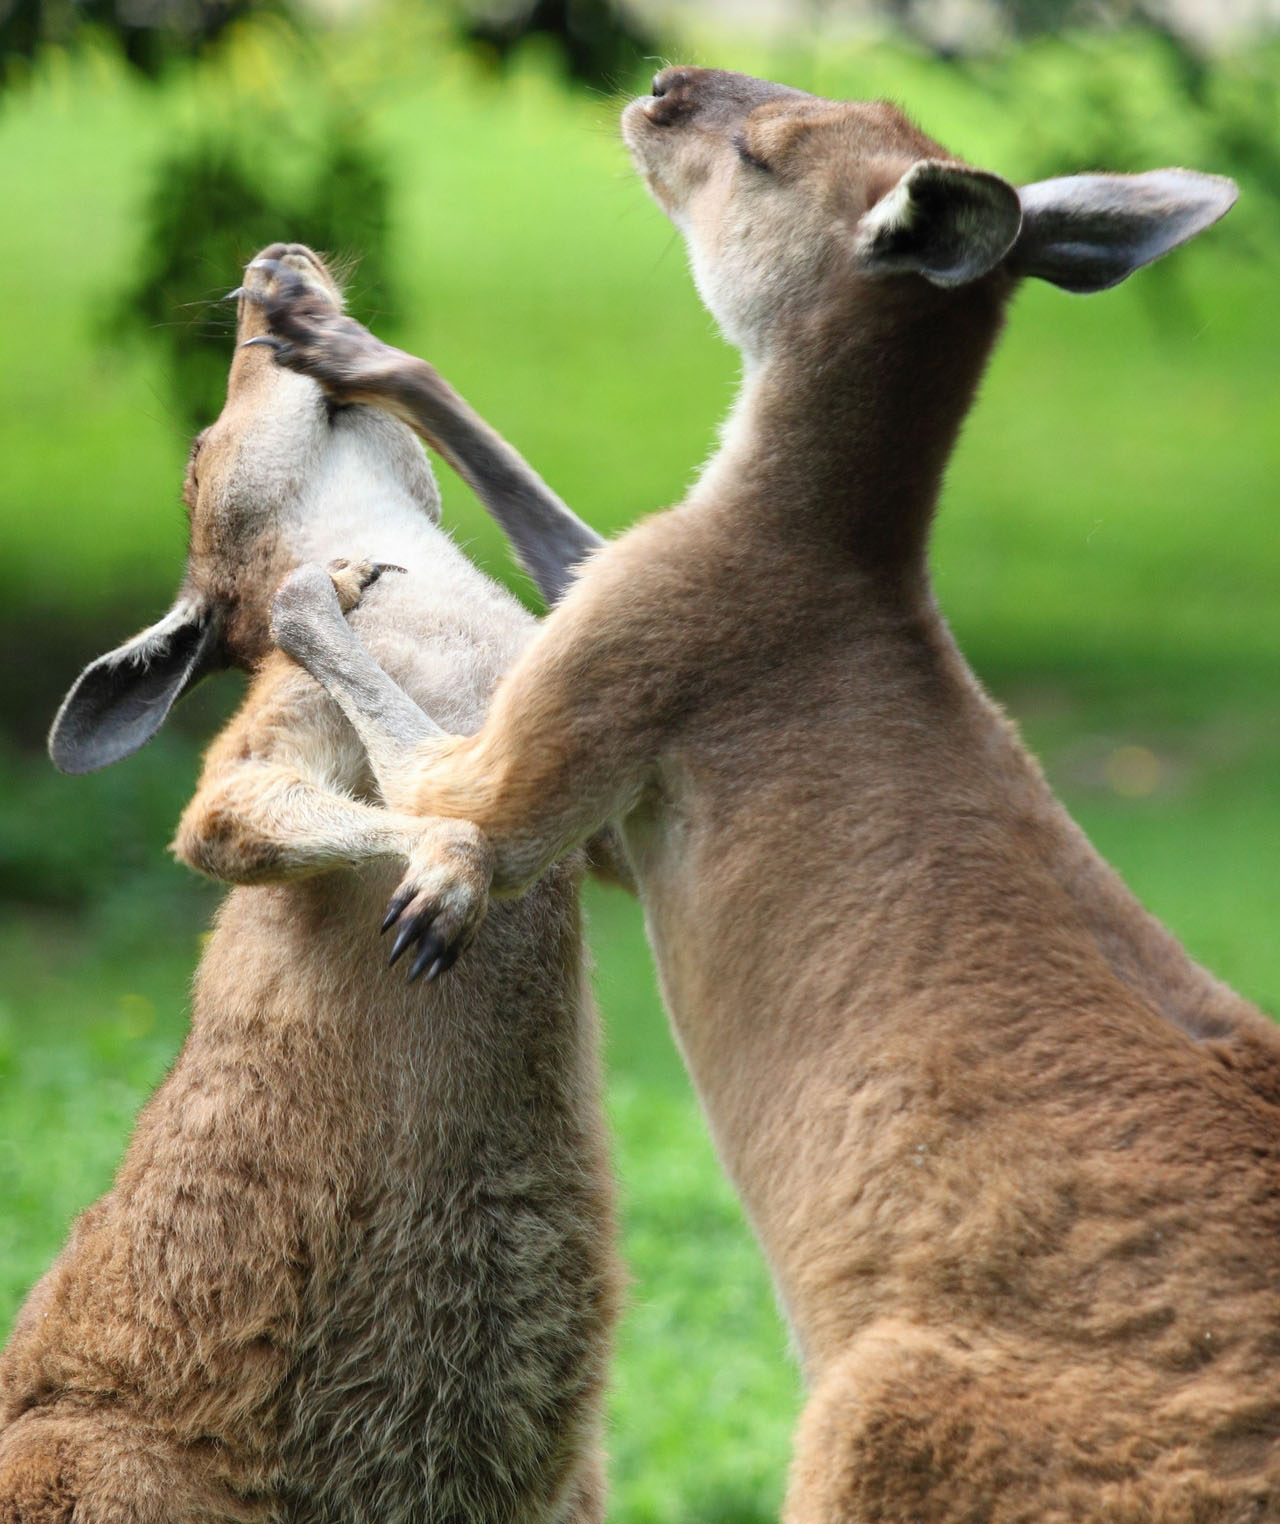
85,1468
900,1427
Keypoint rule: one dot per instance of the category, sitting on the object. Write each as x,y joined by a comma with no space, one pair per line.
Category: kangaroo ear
119,701
1088,232
948,223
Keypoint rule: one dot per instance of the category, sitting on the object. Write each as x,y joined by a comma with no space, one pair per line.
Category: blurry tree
213,204
598,41
150,32
225,193
965,26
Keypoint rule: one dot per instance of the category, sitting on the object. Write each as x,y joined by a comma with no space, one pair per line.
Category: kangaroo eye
747,157
189,481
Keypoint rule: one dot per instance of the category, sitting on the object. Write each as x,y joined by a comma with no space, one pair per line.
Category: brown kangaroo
358,1262
1014,1158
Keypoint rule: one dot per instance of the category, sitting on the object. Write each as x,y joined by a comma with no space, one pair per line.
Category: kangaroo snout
680,91
689,133
674,96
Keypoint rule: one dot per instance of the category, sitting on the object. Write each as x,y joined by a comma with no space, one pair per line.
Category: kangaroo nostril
672,99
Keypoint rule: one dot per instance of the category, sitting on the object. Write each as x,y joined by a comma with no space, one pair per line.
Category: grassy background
1107,552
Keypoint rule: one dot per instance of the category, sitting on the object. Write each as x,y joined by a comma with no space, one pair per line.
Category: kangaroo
358,1263
1013,1157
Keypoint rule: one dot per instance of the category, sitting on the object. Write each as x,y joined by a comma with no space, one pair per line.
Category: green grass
1107,553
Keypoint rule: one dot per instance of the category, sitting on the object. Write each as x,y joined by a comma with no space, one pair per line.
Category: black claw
407,935
395,910
443,963
431,954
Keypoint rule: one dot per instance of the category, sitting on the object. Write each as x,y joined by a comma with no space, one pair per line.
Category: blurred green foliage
1107,552
216,201
1086,100
151,34
597,41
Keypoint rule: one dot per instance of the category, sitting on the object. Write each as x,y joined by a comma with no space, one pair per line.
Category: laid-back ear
1088,232
948,223
119,701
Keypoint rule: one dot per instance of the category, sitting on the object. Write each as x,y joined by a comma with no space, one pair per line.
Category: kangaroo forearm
549,538
271,825
544,774
532,798
353,366
308,625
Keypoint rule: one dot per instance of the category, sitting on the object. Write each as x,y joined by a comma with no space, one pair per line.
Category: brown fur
357,1263
1014,1158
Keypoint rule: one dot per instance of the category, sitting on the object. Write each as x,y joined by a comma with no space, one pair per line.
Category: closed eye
747,157
197,444
190,483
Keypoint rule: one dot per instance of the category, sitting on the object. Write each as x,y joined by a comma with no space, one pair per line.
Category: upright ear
1088,232
121,700
948,223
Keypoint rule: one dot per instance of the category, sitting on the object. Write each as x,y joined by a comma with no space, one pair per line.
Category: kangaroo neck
386,524
841,432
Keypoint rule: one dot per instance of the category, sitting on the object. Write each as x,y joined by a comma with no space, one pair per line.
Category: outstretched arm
276,799
552,767
308,623
353,366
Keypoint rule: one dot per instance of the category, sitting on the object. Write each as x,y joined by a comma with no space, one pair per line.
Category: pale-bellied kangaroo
1014,1158
358,1262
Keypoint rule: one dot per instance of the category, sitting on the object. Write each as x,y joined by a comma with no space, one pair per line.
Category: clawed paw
442,900
351,579
310,334
420,930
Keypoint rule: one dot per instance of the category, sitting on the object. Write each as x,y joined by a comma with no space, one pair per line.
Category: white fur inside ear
893,213
120,700
944,221
154,642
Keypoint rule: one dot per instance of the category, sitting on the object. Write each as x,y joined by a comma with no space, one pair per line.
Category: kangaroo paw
308,333
351,579
443,898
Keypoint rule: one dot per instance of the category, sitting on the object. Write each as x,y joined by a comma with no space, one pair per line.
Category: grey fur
1087,232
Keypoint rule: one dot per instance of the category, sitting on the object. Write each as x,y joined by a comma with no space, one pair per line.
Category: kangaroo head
264,486
792,206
